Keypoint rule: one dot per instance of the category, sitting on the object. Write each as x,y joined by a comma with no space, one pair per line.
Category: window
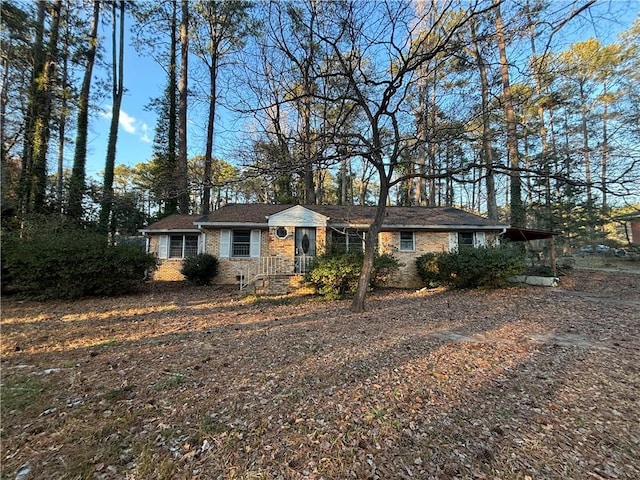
465,239
281,233
407,242
179,246
349,241
241,245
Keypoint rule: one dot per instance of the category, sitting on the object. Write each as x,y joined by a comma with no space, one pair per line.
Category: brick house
270,247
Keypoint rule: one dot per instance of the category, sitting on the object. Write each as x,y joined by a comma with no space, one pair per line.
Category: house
270,247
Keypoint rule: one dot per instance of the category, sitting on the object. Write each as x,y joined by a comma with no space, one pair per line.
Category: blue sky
144,79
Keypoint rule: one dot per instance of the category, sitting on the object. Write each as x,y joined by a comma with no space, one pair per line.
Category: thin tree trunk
34,106
171,202
208,154
106,223
516,206
77,180
183,187
487,142
605,154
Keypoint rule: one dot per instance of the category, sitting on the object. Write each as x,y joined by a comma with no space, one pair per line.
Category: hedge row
471,267
72,264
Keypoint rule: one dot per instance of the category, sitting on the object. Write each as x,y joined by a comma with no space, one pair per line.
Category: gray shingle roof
396,217
174,222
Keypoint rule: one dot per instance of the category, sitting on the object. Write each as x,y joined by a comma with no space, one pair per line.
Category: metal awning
526,234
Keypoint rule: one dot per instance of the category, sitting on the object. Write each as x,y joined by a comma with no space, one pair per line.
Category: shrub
72,264
480,267
336,275
200,269
428,271
471,267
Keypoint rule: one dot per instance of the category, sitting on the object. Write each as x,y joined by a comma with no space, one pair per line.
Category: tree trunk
487,143
208,154
77,180
605,154
106,223
171,202
182,180
516,206
34,106
371,242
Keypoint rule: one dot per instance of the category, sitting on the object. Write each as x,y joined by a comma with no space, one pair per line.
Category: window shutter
163,246
225,243
453,241
480,239
254,248
202,243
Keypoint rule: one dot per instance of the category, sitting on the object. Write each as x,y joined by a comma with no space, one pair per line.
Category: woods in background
514,110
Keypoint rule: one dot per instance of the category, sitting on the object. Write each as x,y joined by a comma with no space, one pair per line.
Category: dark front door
305,248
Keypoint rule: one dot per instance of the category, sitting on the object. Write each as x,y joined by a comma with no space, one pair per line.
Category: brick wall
425,242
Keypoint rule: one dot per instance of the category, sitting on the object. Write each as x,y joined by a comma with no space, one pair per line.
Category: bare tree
378,49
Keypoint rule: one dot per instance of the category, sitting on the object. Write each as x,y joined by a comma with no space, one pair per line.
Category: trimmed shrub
480,267
336,274
72,264
471,267
200,269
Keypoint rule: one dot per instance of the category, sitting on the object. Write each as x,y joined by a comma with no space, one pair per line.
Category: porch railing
270,266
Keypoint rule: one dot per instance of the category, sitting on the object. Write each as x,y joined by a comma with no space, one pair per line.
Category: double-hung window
466,239
407,242
348,241
178,246
459,240
239,243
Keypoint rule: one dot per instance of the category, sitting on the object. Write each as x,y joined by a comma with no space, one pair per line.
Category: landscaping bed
181,382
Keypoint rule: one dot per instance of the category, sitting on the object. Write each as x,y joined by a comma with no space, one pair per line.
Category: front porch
270,273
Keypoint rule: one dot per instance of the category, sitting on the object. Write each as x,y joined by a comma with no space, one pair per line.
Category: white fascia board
145,231
298,216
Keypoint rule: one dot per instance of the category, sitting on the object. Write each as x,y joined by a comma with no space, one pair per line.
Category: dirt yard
203,383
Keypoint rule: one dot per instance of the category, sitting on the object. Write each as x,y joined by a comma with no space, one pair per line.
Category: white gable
297,216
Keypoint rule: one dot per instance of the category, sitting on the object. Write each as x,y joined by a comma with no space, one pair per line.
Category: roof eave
233,224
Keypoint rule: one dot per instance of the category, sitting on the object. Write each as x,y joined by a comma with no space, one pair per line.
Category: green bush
72,264
200,269
471,267
336,274
428,271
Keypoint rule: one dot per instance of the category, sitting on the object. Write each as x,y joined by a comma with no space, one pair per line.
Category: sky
144,79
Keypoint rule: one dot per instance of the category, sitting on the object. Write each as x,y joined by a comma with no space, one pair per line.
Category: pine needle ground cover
187,382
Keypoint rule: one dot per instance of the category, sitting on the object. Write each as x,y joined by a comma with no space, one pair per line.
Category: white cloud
127,122
144,136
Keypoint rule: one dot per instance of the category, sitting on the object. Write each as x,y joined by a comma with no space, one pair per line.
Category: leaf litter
199,383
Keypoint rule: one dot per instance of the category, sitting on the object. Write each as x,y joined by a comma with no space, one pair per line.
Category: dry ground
203,383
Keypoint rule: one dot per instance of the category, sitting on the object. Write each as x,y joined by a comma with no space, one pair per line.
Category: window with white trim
240,243
178,246
466,239
348,241
407,242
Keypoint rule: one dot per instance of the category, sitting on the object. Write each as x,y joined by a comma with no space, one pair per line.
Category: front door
305,248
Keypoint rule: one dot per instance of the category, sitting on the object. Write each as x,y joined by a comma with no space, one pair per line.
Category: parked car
603,248
585,249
